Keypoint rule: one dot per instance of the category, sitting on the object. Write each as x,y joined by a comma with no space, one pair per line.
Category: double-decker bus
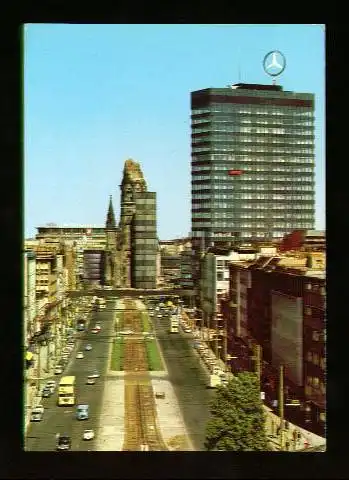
66,391
174,324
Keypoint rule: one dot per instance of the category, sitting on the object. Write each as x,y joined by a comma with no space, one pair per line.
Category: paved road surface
41,435
188,379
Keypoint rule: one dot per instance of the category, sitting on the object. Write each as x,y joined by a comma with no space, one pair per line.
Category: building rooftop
256,86
67,225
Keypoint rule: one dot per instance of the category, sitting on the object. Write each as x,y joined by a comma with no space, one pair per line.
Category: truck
214,381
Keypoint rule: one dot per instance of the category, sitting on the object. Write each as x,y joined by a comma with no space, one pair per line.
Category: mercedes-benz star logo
274,63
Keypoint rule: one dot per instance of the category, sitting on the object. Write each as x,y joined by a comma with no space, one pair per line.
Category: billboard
287,334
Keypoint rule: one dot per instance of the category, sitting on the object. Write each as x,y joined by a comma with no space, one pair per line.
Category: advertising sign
287,334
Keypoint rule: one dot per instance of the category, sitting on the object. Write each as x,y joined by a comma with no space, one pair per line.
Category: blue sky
95,95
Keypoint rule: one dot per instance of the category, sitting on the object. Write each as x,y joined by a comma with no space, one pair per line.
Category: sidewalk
305,438
32,393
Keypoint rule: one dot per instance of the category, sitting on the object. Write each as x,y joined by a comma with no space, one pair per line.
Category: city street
41,435
188,378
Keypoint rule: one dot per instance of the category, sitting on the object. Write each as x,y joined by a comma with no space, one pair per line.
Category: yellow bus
66,391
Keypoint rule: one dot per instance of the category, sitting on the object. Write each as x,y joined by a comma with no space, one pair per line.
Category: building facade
136,252
29,294
144,241
279,304
252,164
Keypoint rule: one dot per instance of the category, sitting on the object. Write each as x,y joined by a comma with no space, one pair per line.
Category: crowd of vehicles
66,388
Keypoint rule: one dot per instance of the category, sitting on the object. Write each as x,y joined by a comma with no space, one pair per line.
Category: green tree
237,419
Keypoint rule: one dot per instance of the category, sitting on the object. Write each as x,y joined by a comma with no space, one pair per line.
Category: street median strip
153,355
117,355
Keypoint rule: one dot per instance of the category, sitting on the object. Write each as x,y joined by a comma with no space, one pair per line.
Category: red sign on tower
232,173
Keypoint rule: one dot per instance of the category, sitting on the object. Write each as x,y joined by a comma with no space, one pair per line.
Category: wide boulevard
188,378
41,436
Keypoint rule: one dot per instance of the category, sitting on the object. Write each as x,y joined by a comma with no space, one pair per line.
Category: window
309,356
308,286
220,276
316,336
316,359
323,363
322,416
307,310
316,382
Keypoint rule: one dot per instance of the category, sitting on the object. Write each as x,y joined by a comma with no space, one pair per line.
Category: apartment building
278,302
29,293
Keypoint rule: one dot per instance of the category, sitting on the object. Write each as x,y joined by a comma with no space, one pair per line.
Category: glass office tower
252,164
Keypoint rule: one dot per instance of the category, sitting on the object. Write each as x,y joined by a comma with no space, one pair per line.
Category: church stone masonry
119,269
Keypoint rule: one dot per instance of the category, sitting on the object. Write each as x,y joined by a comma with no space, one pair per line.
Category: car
51,382
80,355
97,326
88,347
94,375
90,381
40,408
46,392
58,370
51,388
126,332
82,412
88,435
36,415
94,330
63,442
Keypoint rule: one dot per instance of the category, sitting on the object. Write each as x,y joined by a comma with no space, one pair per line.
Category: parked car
95,330
88,347
59,369
46,392
88,435
90,381
37,414
80,355
50,387
94,375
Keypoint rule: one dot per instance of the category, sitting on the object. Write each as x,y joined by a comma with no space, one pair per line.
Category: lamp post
281,405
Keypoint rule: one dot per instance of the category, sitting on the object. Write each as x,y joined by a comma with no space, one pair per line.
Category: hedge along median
147,326
117,355
153,355
119,321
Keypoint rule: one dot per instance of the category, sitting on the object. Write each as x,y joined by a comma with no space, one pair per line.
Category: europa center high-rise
252,164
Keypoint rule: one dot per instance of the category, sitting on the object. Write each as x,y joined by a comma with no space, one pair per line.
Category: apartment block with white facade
29,294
